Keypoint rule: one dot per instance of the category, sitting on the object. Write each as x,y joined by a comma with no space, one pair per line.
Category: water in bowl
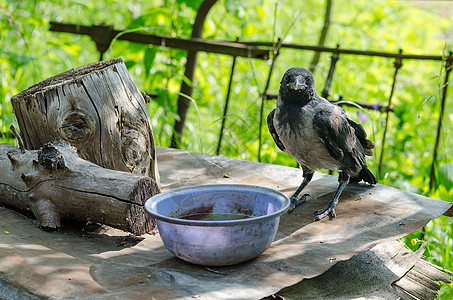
215,217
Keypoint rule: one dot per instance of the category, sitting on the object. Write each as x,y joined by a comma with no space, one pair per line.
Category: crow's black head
297,85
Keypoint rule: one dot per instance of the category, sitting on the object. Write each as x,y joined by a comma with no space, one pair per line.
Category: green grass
30,53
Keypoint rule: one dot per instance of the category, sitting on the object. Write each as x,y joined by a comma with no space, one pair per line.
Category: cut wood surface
98,109
54,184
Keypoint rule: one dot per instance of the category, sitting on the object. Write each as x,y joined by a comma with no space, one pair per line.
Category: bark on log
98,109
55,184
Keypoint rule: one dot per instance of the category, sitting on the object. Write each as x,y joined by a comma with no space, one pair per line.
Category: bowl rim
161,196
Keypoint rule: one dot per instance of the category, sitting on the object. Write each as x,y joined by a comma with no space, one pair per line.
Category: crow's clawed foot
297,201
322,213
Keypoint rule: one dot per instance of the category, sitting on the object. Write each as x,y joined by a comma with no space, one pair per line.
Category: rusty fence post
227,100
276,52
398,64
448,67
333,63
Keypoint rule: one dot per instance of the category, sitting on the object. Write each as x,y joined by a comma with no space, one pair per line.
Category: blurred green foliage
29,53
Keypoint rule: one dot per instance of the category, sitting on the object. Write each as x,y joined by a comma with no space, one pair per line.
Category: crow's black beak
298,83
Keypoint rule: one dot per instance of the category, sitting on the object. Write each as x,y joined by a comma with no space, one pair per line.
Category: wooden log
54,184
98,109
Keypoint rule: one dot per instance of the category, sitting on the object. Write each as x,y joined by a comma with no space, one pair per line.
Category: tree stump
98,109
54,184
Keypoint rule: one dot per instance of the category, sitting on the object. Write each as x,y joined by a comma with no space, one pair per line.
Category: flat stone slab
110,264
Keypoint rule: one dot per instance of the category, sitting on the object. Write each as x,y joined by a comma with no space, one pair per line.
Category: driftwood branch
55,184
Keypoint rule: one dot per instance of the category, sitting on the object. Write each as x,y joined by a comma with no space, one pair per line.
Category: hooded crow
319,135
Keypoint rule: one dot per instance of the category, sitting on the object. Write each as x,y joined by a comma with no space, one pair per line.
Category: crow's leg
343,179
295,201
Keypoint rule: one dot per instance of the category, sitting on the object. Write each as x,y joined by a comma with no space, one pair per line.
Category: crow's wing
339,137
361,136
270,124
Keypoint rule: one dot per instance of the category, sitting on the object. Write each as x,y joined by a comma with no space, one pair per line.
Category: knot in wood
135,149
51,158
76,127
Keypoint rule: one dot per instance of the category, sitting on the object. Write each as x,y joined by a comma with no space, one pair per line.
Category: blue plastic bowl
217,225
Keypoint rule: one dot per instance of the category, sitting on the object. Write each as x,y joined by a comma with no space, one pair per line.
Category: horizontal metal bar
195,44
342,102
349,51
243,48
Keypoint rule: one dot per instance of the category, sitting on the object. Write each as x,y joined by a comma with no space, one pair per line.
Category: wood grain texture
421,281
98,109
73,189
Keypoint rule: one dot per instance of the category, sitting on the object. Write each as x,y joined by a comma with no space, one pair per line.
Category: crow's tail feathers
365,175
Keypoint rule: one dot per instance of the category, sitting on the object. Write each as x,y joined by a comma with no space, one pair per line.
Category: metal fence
103,36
